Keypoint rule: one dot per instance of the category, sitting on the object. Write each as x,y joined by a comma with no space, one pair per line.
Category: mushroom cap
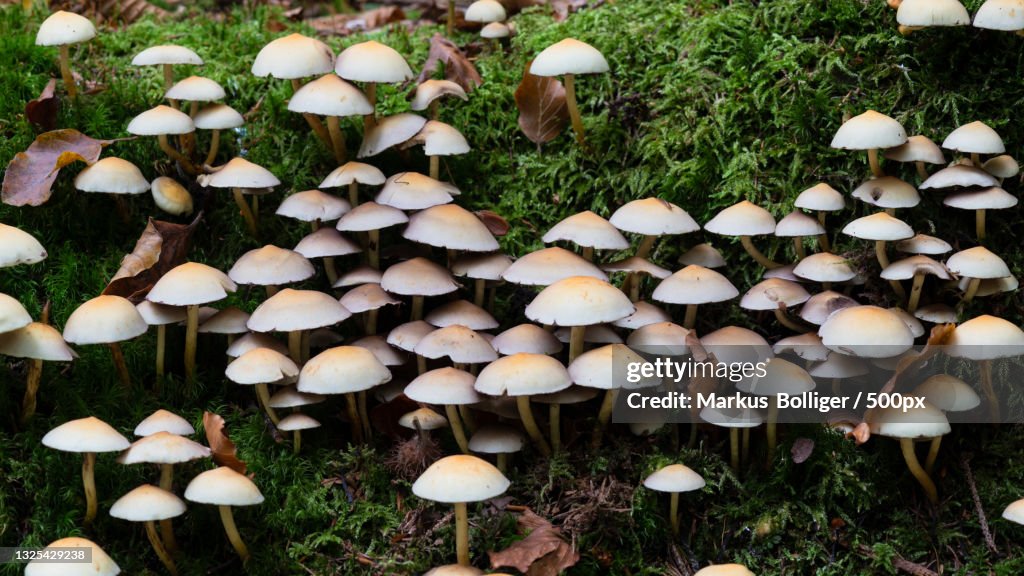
985,338
104,320
646,313
164,421
1002,166
959,175
460,344
460,478
924,244
230,320
724,570
293,56
550,265
589,230
444,386
85,435
485,11
736,344
594,334
909,267
674,478
824,267
870,130
290,310
523,375
1007,15
163,448
166,54
430,90
806,346
570,56
866,332
326,242
570,395
820,306
780,377
948,393
223,487
297,421
422,418
418,277
464,313
196,89
366,297
239,173
350,172
254,340
695,285
290,397
742,219
1014,513
496,439
372,62
19,247
191,284
887,192
112,176
917,149
839,366
652,217
440,139
913,422
978,262
161,120
936,314
415,191
101,564
702,255
481,266
773,294
797,224
407,336
579,301
170,196
62,28
932,13
450,226
329,95
495,30
975,138
731,418
12,314
637,265
915,326
604,368
990,286
660,338
879,226
526,338
994,198
37,341
371,216
341,370
261,366
820,198
271,266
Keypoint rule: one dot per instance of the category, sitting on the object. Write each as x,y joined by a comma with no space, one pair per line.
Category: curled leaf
494,222
543,112
345,24
457,67
223,449
42,111
162,246
31,174
544,551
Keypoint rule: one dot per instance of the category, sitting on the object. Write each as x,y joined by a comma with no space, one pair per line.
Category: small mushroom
101,564
418,278
295,423
428,95
170,196
160,315
295,312
907,424
372,63
216,117
872,130
166,56
978,263
745,219
87,436
981,201
224,488
674,478
106,320
949,394
148,504
162,121
578,302
294,57
439,139
40,343
916,268
984,339
693,286
344,370
239,175
64,29
569,58
913,15
334,98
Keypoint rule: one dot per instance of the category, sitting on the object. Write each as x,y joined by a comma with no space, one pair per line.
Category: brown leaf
125,11
544,551
494,222
162,246
345,24
31,173
457,67
562,8
543,113
801,450
384,417
42,111
224,450
911,363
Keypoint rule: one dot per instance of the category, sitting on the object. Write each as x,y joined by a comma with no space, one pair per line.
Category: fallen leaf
42,111
911,363
544,551
562,8
31,173
457,67
125,11
801,450
162,246
543,113
494,222
345,24
384,417
223,449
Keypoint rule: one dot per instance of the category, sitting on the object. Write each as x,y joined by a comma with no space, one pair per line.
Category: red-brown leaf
494,222
223,449
457,67
544,551
543,113
31,173
345,24
42,111
162,246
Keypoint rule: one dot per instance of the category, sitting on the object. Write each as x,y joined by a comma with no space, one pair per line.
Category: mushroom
148,504
887,192
253,340
296,422
271,267
195,89
294,312
166,56
164,421
949,394
418,278
870,131
837,367
1002,15
777,295
497,439
462,313
160,315
636,268
555,401
826,268
216,117
526,338
367,299
978,263
19,247
588,231
578,302
980,201
916,267
797,225
113,176
439,139
452,227
344,370
230,321
907,424
866,332
240,174
313,206
548,266
87,436
428,95
496,31
1014,513
334,98
372,63
780,377
674,478
458,343
224,488
39,342
703,254
415,191
975,138
919,150
724,569
915,15
162,121
881,228
693,286
821,199
569,58
924,244
457,480
64,29
407,336
959,175
745,219
388,132
734,419
260,367
651,217
106,320
604,369
170,196
984,339
448,387
99,565
820,306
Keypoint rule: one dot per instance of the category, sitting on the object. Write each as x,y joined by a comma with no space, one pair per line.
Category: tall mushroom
113,176
983,340
224,488
166,56
418,278
294,312
163,121
651,218
271,267
906,425
372,63
352,174
777,295
106,320
975,138
160,316
569,58
148,504
821,199
239,175
693,286
87,436
260,367
980,201
64,29
604,368
578,302
344,370
439,139
216,117
745,219
870,131
916,268
334,98
977,264
448,387
40,343
371,218
428,95
780,377
881,228
674,478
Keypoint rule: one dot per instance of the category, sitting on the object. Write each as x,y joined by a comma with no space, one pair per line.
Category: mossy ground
708,103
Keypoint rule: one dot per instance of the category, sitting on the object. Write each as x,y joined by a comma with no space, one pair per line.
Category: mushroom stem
576,341
450,22
353,415
337,139
756,254
734,449
330,270
263,395
461,529
526,415
883,261
191,335
28,403
168,82
555,425
297,441
745,446
457,430
922,173
798,247
907,445
312,120
89,482
788,322
65,72
228,519
691,316
119,364
435,167
370,323
246,210
603,416
421,365
479,290
214,146
976,159
434,109
353,193
933,454
915,292
985,368
642,251
673,512
372,248
972,289
178,157
876,168
161,346
295,345
979,224
166,526
770,427
154,540
634,288
574,111
822,238
502,462
364,415
417,308
370,120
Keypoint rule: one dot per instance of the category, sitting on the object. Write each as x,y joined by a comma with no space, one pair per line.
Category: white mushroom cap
460,344
731,418
913,422
579,301
62,28
959,175
936,314
372,62
218,117
191,284
549,265
909,267
418,277
866,332
350,172
407,336
724,570
440,139
230,320
496,439
430,90
985,199
887,192
290,397
19,247
371,216
38,341
924,244
460,478
423,419
261,366
523,375
948,393
166,54
329,95
12,314
774,293
990,286
444,386
985,338
450,226
637,265
695,285
1007,15
485,11
164,421
879,226
652,217
921,13
160,314
254,340
820,306
366,297
223,487
780,377
870,130
496,30
341,370
646,313
570,56
161,120
824,267
917,149
674,478
806,346
660,338
385,353
101,565
594,334
239,173
415,191
481,266
736,344
85,435
297,421
978,262
840,366
271,266
326,242
1002,166
113,176
464,313
170,196
196,89
291,310
974,138
526,338
104,320
604,368
589,230
293,56
163,448
742,219
820,198
570,395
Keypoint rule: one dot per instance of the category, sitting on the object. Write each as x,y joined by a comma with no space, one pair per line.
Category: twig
965,463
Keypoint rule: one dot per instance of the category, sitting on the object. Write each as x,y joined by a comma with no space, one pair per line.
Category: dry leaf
42,111
124,11
909,364
801,450
345,24
543,113
162,246
494,222
457,67
561,9
31,173
544,551
223,449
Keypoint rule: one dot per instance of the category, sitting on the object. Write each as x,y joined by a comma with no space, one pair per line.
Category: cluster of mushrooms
405,301
1002,15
